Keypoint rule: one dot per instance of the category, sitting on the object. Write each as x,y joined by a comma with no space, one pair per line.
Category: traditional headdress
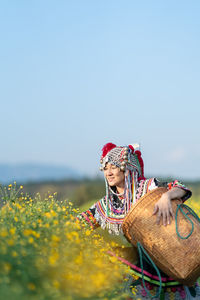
124,157
128,159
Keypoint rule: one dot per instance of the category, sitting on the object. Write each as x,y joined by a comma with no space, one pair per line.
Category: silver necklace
116,193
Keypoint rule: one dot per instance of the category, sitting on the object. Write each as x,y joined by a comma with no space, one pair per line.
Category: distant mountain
35,172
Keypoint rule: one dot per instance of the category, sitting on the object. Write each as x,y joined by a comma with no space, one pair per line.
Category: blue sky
78,74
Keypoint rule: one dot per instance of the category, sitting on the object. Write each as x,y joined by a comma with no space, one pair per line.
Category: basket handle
190,212
143,253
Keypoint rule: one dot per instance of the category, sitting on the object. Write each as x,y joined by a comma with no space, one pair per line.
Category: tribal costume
110,211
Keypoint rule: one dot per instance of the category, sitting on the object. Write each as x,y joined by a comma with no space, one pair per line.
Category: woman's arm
163,207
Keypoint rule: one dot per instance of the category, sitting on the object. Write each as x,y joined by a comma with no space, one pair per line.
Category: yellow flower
88,232
31,286
14,253
53,213
55,238
18,205
113,244
10,242
56,284
96,242
98,262
7,267
36,234
77,226
31,240
3,233
27,232
79,260
48,215
53,258
34,225
72,235
98,279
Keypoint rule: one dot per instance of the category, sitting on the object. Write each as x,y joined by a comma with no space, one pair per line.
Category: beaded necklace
116,194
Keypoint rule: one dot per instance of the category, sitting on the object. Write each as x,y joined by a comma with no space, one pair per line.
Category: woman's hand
163,209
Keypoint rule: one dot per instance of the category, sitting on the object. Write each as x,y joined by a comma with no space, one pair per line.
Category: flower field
45,253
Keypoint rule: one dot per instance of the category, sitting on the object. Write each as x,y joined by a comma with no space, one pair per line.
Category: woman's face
114,175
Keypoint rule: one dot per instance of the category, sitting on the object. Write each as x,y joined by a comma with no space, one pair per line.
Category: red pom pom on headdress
138,152
106,148
131,147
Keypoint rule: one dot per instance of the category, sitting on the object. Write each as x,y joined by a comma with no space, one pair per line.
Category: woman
125,184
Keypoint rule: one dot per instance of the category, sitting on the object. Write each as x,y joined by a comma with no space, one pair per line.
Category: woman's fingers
165,215
158,217
155,209
168,218
171,212
164,212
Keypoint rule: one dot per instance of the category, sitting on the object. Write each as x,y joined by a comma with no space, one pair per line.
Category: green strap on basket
144,254
190,212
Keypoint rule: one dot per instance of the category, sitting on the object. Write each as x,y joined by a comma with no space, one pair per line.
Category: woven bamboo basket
178,258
